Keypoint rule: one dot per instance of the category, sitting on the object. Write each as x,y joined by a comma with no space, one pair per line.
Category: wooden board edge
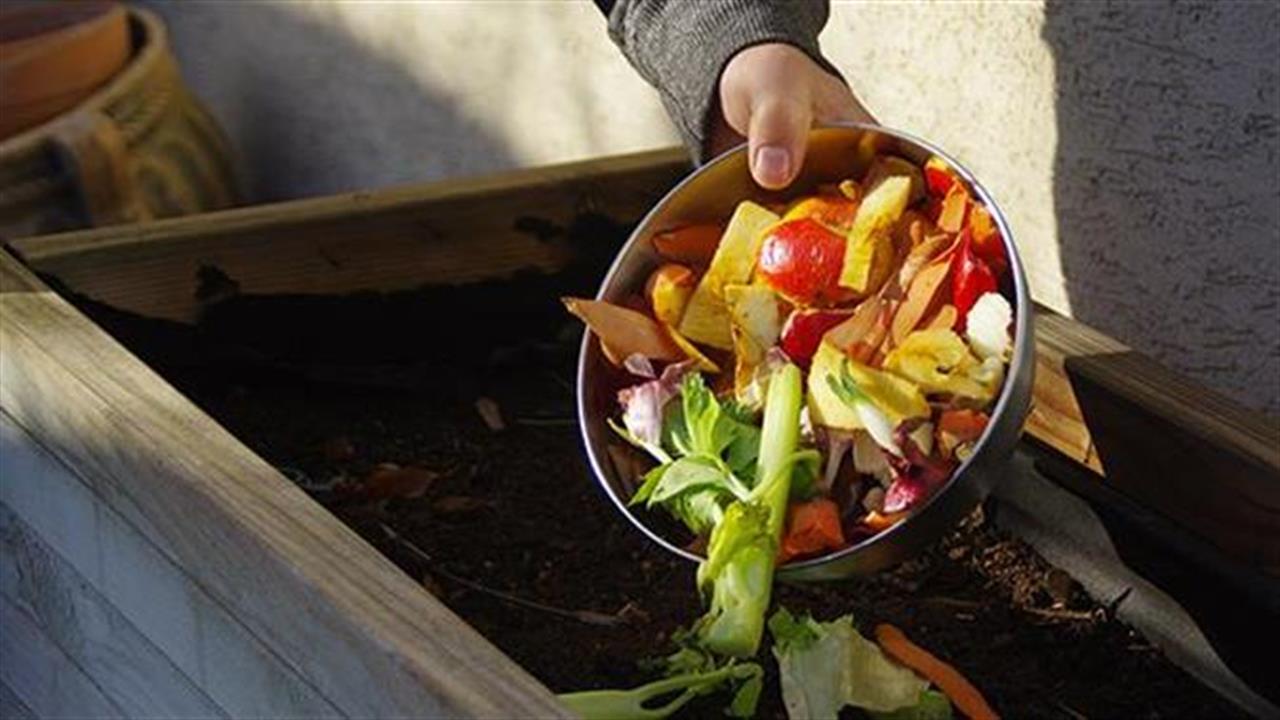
198,634
41,249
125,665
1164,440
311,589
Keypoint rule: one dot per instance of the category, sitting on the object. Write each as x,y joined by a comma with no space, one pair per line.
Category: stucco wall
1135,146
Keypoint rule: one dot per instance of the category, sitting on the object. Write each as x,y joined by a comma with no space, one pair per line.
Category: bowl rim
1023,310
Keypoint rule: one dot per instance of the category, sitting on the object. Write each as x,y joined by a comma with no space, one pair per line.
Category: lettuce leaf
932,705
826,666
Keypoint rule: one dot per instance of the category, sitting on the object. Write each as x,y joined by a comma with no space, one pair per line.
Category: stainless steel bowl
710,194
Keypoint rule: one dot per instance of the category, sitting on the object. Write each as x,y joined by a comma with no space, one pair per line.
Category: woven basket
140,148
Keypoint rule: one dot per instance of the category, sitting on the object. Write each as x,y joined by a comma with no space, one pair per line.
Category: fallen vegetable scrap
960,691
804,381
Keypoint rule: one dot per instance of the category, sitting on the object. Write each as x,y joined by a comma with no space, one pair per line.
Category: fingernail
772,165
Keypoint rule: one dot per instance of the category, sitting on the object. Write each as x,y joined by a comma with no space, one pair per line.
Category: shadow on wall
1167,182
296,144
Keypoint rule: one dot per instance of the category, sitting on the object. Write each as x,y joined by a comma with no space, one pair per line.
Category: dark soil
516,510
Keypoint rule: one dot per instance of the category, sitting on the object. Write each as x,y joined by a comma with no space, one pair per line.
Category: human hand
772,94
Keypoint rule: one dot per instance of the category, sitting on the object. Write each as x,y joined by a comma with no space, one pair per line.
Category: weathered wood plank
1169,443
1096,401
198,635
12,707
42,677
447,232
125,666
329,605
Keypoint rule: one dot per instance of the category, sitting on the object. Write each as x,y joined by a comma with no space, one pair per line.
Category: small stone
1059,585
491,414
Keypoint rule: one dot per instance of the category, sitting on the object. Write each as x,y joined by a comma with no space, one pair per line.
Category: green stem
630,704
744,545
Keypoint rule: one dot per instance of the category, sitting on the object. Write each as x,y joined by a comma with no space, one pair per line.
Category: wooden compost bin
154,565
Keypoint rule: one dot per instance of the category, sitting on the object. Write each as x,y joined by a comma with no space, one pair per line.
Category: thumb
776,137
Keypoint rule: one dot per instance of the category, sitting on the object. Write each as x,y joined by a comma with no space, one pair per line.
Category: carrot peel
957,688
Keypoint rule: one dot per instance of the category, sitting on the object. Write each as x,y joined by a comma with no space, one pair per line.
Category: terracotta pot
140,147
54,55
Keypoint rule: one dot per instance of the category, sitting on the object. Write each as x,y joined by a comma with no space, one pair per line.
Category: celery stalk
738,571
643,703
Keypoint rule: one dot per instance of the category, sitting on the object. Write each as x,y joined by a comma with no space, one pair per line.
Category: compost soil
440,425
516,511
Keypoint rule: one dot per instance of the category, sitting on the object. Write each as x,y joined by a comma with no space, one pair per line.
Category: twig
952,602
584,616
1075,714
1061,614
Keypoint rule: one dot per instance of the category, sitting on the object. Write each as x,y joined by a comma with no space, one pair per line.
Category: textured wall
1135,146
322,97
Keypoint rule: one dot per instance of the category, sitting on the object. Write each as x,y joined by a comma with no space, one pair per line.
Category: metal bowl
710,194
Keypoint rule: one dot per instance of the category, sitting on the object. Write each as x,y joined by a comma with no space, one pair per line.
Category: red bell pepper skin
971,278
987,243
938,176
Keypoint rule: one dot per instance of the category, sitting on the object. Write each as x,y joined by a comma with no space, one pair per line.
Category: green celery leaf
702,415
790,632
651,480
747,698
744,450
675,435
700,511
685,474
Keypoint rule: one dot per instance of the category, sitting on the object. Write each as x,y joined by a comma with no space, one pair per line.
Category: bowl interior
710,194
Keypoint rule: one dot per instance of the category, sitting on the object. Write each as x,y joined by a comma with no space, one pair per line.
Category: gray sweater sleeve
681,46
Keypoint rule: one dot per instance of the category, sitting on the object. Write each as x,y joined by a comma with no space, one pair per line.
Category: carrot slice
812,527
962,693
691,244
964,424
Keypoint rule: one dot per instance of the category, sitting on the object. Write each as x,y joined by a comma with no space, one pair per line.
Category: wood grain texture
1175,446
1096,401
197,634
42,676
125,665
364,634
391,239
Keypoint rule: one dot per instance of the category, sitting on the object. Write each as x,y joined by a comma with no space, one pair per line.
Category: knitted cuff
682,46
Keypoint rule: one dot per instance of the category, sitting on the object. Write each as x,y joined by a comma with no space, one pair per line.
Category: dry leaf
388,481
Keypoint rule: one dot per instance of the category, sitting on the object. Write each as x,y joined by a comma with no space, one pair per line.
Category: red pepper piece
971,278
987,242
